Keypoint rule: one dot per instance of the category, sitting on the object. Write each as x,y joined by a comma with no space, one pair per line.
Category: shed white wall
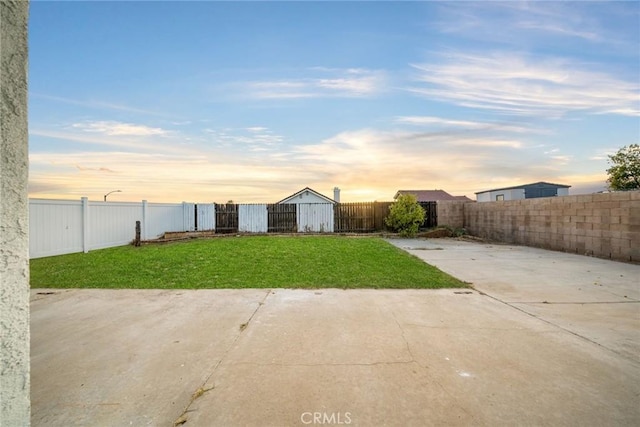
563,192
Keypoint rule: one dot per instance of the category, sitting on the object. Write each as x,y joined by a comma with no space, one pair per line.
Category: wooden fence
226,218
360,217
282,218
347,217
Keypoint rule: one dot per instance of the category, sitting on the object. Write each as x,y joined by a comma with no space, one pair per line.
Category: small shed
314,211
526,191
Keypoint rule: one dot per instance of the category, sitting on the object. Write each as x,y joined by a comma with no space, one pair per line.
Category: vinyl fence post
85,224
145,211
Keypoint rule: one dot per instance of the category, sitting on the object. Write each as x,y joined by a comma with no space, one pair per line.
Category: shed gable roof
310,190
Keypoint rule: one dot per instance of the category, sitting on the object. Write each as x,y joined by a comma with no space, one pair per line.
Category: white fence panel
315,217
189,212
206,216
253,218
55,227
162,217
112,223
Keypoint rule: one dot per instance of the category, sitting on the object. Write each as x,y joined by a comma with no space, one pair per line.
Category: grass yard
244,262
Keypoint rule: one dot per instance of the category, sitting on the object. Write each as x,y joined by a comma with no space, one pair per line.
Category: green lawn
243,262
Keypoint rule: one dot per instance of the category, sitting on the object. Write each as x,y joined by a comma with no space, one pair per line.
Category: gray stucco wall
14,237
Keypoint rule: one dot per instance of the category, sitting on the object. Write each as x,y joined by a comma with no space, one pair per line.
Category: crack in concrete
182,419
406,342
464,327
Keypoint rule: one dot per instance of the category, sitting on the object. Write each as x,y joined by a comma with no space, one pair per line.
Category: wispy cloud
559,29
545,22
439,122
100,105
253,138
324,83
517,84
99,169
130,142
119,128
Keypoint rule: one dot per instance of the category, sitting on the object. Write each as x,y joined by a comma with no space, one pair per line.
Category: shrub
405,215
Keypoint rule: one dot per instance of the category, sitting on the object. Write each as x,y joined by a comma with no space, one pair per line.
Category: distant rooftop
431,195
534,184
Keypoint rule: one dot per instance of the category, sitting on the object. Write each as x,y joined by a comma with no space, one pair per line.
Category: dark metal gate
430,214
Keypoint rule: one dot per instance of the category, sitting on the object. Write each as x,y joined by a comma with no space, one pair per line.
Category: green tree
624,174
405,215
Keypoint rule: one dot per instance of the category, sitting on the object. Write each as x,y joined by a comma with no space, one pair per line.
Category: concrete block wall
605,225
451,213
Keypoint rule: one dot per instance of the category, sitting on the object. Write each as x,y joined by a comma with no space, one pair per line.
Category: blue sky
252,101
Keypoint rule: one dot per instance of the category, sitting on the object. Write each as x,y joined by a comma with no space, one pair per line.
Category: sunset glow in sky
252,101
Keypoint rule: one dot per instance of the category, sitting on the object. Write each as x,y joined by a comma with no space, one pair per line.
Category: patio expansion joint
311,365
573,302
203,389
515,306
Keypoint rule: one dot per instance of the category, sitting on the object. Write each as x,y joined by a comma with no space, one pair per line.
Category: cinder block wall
451,213
605,225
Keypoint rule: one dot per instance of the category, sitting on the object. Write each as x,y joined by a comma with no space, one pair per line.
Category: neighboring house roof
534,184
431,195
310,190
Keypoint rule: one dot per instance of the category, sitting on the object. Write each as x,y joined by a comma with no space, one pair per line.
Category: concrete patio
557,345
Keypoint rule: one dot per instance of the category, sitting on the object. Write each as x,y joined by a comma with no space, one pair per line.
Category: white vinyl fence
59,227
253,218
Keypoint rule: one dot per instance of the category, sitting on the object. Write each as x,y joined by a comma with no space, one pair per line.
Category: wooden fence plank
282,218
360,217
226,218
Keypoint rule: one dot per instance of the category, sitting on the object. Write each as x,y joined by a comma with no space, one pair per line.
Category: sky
253,101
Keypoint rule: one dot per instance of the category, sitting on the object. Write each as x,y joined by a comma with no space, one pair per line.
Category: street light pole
114,191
